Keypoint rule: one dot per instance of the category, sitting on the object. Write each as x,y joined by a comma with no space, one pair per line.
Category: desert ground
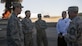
51,19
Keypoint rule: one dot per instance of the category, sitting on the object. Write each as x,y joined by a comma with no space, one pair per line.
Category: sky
50,7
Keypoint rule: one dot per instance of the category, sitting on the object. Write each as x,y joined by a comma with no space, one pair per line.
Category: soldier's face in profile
71,14
19,9
28,14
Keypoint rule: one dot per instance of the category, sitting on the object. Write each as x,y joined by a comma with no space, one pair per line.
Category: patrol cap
17,5
73,8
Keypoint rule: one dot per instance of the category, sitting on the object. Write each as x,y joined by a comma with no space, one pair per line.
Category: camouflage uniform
27,28
41,34
15,35
74,33
79,41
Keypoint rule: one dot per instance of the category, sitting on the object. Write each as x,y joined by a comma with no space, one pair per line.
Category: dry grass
51,19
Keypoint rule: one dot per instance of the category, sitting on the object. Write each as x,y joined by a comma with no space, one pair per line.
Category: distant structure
46,16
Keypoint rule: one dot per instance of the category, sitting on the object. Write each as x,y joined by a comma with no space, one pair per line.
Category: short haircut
63,12
27,11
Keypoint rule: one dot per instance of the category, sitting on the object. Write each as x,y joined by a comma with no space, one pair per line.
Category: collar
14,14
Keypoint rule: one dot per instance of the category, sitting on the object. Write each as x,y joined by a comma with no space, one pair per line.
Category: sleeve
79,30
37,25
67,25
43,25
30,25
25,24
57,27
15,32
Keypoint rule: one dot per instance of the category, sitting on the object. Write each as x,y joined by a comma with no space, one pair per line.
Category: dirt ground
51,19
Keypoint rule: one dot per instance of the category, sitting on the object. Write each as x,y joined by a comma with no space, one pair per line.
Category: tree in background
8,4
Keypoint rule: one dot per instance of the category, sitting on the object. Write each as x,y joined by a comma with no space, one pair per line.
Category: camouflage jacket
40,24
27,25
14,31
74,31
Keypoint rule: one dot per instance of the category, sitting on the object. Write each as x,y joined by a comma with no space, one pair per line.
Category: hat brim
21,6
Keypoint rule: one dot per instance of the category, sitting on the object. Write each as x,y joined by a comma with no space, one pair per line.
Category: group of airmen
70,29
20,33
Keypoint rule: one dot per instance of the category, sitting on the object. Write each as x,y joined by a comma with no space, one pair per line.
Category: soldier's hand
59,35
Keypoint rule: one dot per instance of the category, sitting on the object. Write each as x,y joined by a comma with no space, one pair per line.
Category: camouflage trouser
42,39
13,43
80,44
28,40
72,44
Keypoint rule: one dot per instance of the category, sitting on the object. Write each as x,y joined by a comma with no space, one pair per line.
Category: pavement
51,35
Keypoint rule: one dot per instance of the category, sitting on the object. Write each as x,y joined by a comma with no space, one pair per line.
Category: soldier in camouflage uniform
41,34
27,29
15,35
74,33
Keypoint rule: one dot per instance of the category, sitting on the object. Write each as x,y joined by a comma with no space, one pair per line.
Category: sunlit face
39,16
64,15
28,14
18,9
71,14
